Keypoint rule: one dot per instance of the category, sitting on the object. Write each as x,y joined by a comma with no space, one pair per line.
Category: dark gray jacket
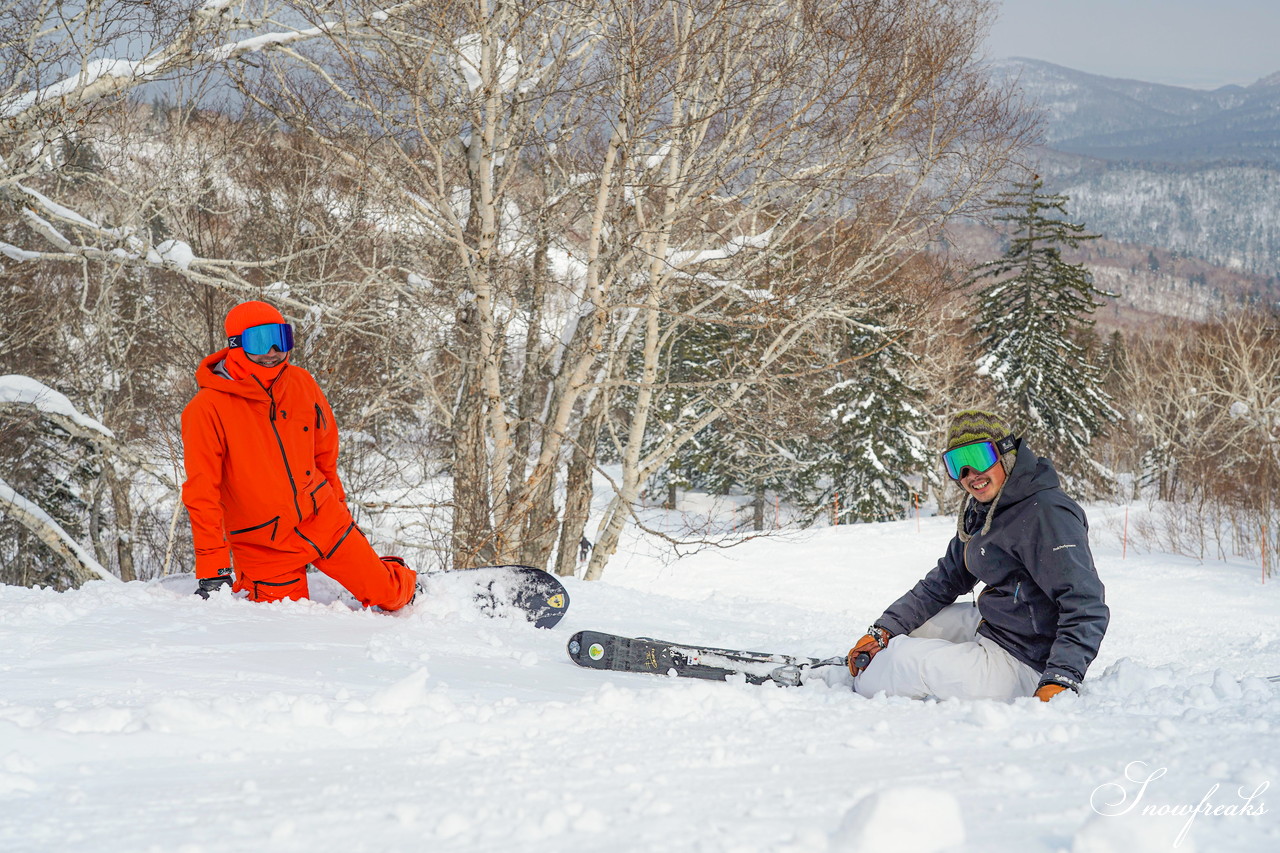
1043,601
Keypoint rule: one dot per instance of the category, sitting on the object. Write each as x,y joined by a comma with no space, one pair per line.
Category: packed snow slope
137,717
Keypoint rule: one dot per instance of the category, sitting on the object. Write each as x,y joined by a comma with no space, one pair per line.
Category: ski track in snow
137,717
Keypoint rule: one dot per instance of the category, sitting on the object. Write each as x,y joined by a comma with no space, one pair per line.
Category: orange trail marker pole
1124,550
1264,552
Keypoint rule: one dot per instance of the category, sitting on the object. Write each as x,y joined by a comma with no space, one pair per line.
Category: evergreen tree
1114,362
697,353
1033,320
877,421
747,448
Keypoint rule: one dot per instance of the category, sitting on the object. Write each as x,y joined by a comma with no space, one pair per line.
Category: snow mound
404,695
1131,833
904,820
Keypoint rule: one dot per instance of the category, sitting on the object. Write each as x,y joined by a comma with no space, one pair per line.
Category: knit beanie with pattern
975,425
971,425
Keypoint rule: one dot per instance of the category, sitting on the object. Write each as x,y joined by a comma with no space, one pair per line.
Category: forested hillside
1185,170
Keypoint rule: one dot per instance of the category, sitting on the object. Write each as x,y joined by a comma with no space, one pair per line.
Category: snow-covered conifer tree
1031,314
878,421
748,449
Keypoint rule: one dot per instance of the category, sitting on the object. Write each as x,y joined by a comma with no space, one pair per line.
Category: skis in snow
596,650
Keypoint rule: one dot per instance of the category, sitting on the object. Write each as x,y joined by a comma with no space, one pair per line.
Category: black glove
207,585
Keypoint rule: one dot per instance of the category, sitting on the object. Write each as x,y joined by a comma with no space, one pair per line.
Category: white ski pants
947,659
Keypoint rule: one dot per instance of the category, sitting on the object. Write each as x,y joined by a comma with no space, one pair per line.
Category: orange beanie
244,316
249,314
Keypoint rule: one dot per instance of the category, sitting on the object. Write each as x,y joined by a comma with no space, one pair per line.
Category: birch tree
579,181
1201,408
813,129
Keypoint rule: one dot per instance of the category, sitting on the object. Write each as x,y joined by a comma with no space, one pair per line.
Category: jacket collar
1030,474
219,370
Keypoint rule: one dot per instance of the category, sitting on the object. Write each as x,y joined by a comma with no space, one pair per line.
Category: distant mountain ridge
1190,171
1117,119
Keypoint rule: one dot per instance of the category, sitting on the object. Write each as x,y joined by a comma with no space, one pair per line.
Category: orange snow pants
271,563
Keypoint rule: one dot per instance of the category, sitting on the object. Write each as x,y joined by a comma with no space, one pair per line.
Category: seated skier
1036,626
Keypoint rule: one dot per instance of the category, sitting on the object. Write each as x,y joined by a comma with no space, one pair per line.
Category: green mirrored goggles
978,456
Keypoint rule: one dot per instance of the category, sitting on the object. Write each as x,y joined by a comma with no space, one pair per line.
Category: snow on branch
15,254
170,253
83,566
112,73
24,390
71,236
45,216
681,258
16,390
100,78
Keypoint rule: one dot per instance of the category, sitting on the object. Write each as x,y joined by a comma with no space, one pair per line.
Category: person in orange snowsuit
261,450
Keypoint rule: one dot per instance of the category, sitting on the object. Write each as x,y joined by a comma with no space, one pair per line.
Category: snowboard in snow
596,650
496,590
500,590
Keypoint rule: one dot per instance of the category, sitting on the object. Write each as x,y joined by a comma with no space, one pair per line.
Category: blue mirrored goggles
259,340
978,456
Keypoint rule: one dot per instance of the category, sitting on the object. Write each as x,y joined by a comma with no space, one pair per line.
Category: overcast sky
1198,43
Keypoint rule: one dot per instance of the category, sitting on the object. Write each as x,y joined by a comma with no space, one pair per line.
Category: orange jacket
258,457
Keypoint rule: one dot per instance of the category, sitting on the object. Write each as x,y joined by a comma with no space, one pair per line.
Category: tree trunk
95,521
473,543
608,538
540,522
120,490
81,565
578,488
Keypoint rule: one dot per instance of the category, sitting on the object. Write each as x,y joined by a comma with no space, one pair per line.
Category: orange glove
1045,692
871,643
1052,685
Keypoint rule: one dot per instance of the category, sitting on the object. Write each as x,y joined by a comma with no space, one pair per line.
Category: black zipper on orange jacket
280,443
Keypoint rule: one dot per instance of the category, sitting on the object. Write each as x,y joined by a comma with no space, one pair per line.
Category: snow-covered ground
136,717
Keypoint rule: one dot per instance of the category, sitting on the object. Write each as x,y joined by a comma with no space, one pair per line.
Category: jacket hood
224,372
1030,474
